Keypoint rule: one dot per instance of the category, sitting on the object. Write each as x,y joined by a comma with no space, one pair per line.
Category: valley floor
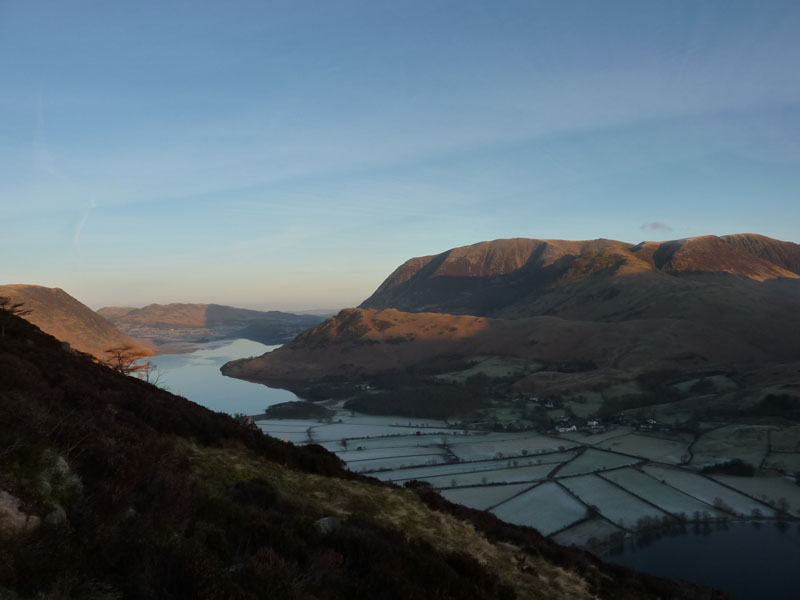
584,490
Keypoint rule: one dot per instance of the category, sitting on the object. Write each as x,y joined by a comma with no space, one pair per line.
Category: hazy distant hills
165,323
625,308
55,312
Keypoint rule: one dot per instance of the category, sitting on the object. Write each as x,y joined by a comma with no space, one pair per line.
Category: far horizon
290,155
261,307
300,308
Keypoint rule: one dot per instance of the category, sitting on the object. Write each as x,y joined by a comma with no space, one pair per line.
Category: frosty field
513,475
592,460
596,439
789,463
398,462
649,447
478,466
748,443
398,441
484,497
580,487
547,507
343,431
586,532
785,440
355,456
665,497
613,503
708,491
523,445
772,490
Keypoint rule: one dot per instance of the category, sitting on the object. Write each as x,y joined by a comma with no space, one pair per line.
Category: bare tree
9,309
126,359
151,373
130,360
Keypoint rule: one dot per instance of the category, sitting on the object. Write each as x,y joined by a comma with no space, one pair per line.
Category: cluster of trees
297,410
778,405
433,401
658,387
735,466
332,388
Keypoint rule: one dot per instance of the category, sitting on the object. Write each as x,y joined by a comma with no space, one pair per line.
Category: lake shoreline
196,375
750,560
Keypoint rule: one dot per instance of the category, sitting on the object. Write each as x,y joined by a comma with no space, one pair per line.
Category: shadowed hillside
360,342
113,488
62,316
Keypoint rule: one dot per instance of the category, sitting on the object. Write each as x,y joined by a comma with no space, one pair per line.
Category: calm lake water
196,376
749,561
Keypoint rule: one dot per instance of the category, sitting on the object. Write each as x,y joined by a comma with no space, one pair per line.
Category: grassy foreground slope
112,488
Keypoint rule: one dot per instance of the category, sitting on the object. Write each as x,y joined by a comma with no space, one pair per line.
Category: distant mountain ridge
685,304
55,312
181,322
503,278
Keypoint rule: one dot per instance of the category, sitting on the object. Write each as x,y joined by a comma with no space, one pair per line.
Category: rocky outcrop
12,520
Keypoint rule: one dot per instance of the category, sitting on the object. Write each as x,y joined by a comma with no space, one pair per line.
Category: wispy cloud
76,236
41,151
655,226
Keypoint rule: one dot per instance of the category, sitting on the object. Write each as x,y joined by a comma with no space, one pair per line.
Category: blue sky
292,154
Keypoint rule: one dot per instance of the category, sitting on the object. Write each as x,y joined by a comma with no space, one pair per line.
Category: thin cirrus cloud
76,236
42,158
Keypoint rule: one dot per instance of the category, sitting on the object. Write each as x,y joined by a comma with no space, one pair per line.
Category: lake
750,561
196,376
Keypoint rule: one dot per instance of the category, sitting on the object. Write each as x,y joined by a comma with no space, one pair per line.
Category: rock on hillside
55,312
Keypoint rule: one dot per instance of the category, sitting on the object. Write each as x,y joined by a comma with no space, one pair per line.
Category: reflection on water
196,376
748,560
